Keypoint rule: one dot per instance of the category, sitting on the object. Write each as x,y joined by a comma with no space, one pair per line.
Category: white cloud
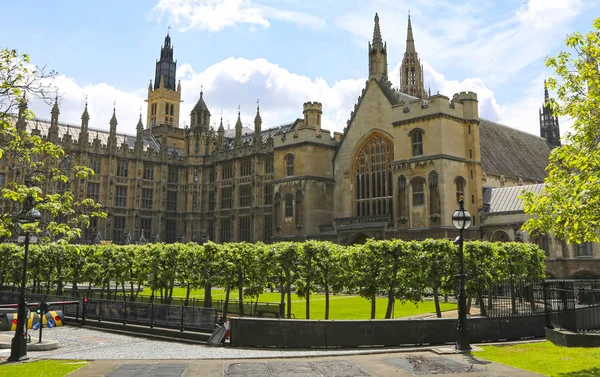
546,14
227,84
215,15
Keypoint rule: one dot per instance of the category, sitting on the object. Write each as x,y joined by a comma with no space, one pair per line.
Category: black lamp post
18,349
461,219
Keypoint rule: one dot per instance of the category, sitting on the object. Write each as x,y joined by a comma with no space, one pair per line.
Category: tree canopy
568,205
41,172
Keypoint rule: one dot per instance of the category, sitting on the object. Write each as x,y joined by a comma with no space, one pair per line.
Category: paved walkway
116,355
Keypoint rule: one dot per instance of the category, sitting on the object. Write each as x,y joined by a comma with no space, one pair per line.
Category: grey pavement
117,355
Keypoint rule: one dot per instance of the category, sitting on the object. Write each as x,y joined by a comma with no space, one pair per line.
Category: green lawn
341,306
42,368
546,358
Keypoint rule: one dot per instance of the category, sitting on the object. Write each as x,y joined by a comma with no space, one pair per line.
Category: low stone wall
570,339
287,333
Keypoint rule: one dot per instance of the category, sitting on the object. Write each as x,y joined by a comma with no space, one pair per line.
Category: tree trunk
282,301
373,305
241,294
289,299
326,301
390,305
207,295
490,300
307,293
482,307
226,303
139,288
59,281
187,294
152,296
436,300
513,299
531,298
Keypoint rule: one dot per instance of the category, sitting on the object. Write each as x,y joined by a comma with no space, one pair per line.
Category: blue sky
286,52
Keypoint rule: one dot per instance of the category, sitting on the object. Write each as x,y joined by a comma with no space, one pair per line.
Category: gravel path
88,344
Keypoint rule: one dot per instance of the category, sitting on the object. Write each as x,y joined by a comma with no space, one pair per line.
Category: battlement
463,105
313,106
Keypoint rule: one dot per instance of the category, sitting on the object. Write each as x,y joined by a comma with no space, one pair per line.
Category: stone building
397,170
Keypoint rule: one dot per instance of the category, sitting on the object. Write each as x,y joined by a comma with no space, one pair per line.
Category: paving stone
246,370
327,368
148,370
422,365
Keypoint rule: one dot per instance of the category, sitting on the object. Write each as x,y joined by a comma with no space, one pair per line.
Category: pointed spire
257,118
377,40
221,128
545,92
55,106
113,120
410,40
140,125
85,116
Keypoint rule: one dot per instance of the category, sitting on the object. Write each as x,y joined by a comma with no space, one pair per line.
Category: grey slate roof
512,153
505,199
43,125
248,134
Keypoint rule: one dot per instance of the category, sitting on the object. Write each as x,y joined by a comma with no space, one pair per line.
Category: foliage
42,171
400,270
568,204
546,358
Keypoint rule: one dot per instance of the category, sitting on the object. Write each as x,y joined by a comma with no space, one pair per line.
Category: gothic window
225,229
148,172
226,198
269,166
212,200
417,141
268,194
227,170
173,175
289,205
544,244
122,168
90,232
118,229
584,249
197,148
245,196
246,167
245,229
402,196
147,198
268,230
146,225
93,191
194,201
171,231
418,192
195,175
171,200
171,112
166,108
434,194
121,196
95,163
289,165
373,177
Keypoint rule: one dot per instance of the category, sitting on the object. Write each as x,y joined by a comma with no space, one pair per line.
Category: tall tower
377,54
549,128
411,69
164,98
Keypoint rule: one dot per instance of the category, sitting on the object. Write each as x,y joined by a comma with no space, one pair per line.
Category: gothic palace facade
404,158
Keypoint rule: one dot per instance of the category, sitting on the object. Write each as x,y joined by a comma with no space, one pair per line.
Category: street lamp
18,349
461,219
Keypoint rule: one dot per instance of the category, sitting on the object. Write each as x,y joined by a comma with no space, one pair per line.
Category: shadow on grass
581,373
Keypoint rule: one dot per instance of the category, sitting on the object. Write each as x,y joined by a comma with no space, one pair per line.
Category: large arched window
289,165
373,177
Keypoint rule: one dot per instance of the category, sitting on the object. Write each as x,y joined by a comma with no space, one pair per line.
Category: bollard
84,309
124,311
152,314
182,309
100,310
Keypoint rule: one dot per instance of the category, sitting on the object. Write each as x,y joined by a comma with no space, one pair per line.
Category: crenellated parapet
463,107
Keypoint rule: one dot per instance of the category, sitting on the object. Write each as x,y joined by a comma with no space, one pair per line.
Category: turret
257,125
200,115
112,135
411,70
221,136
549,127
312,115
139,137
165,67
238,130
84,134
53,130
377,54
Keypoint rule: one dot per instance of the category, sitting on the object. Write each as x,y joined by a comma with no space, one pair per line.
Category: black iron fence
511,298
573,304
68,310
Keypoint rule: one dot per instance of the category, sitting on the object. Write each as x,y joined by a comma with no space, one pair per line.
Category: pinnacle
410,41
377,40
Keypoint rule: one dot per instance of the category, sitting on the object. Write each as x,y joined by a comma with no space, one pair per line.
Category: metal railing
573,304
512,298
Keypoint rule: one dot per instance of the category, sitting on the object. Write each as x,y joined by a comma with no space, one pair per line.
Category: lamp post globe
461,219
18,349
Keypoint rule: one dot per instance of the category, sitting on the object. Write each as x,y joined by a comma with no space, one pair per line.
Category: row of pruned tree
400,270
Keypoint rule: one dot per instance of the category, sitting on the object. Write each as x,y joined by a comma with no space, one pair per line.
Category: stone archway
500,236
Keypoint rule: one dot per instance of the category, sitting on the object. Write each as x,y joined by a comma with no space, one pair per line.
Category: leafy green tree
284,258
212,263
568,204
367,264
439,260
42,171
328,270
